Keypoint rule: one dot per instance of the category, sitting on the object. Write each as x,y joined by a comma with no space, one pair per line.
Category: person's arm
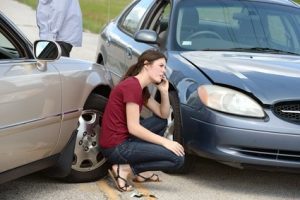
163,109
50,17
134,128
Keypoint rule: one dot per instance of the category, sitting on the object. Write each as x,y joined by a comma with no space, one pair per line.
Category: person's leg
143,156
155,124
65,48
120,170
119,174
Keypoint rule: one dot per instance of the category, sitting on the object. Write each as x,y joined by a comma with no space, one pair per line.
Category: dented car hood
269,77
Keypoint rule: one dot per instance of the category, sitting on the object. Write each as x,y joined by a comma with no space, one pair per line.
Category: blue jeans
144,156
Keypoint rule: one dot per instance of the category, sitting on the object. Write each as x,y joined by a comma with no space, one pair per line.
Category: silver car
50,109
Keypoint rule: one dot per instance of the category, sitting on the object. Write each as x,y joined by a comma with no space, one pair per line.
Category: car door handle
129,53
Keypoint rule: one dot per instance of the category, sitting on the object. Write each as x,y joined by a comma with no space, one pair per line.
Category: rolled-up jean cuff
133,171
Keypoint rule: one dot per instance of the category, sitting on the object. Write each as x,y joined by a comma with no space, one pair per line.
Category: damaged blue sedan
234,71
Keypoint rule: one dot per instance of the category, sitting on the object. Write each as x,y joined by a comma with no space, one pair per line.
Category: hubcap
169,133
87,154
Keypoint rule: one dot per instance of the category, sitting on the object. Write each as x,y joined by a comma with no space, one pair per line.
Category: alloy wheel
87,154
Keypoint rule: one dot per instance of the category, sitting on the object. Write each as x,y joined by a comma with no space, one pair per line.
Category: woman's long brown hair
148,56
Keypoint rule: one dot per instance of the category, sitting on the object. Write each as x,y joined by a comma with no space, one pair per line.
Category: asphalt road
207,180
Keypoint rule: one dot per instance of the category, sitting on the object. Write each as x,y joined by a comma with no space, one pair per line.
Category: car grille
273,154
288,111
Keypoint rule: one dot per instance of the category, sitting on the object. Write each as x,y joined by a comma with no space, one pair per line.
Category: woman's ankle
146,174
123,170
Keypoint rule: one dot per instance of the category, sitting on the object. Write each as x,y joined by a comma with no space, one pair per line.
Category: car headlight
229,101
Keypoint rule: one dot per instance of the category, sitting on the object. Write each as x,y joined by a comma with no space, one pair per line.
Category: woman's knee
155,124
179,162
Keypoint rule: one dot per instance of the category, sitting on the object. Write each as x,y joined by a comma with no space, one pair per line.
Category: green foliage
31,3
95,13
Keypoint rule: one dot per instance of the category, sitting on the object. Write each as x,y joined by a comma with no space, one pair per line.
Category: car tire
88,162
173,132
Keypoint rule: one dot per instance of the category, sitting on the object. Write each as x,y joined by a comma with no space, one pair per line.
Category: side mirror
146,36
46,50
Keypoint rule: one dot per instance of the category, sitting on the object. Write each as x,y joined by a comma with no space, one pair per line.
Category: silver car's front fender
79,78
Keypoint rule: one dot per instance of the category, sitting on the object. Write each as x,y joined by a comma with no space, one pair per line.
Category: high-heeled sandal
152,178
126,187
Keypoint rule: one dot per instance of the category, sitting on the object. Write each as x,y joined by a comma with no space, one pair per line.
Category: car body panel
249,142
78,79
28,98
116,61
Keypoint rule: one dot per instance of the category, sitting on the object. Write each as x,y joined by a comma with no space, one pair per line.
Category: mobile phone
159,82
162,80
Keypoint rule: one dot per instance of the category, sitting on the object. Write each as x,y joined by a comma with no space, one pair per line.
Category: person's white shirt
60,20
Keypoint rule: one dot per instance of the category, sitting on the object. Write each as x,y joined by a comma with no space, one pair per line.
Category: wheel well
171,88
100,59
103,90
157,95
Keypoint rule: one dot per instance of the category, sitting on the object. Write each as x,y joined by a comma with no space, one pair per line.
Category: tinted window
212,24
164,18
163,24
7,49
160,18
131,21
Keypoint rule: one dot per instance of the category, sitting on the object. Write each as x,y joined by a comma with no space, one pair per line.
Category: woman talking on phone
133,145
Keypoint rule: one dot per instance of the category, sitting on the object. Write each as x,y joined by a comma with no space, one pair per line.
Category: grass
95,13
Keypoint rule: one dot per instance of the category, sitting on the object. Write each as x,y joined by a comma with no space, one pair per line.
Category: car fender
185,82
78,81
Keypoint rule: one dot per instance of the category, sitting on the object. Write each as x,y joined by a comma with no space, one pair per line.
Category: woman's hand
163,86
175,147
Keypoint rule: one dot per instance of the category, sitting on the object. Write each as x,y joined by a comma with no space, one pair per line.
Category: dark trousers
65,48
144,156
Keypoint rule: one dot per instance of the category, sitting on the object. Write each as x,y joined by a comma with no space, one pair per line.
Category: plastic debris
140,195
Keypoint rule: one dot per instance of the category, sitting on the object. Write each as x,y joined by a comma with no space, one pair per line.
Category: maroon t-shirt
114,124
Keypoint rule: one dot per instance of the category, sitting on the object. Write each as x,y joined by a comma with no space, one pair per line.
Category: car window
211,24
158,20
163,20
205,21
283,32
218,17
7,49
131,21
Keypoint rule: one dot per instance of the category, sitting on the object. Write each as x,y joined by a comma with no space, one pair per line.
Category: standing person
60,21
131,145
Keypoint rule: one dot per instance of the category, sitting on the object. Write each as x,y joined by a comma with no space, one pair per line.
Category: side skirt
28,169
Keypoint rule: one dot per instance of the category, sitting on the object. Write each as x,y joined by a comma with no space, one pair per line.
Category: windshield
236,25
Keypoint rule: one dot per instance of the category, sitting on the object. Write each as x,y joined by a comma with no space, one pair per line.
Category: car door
119,38
30,102
144,15
156,19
